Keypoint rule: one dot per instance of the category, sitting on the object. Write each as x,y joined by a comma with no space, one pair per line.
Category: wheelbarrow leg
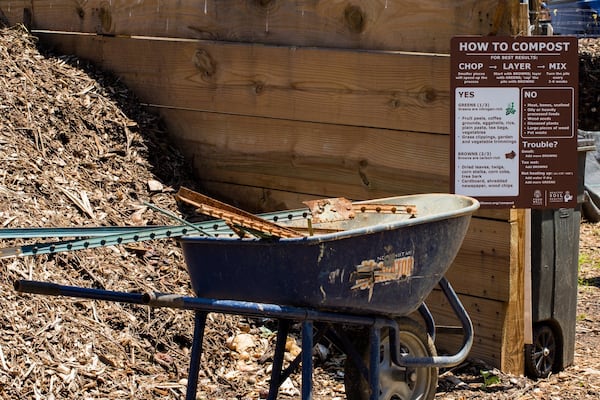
282,332
374,354
199,325
307,365
307,345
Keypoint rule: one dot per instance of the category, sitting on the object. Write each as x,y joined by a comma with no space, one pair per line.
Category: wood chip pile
77,150
589,84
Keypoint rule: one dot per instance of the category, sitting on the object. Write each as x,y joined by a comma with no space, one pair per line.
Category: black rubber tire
591,207
415,341
541,357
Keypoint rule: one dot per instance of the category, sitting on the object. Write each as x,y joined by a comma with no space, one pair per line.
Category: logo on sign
538,199
559,197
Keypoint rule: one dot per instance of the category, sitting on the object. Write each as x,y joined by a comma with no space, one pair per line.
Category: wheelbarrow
355,273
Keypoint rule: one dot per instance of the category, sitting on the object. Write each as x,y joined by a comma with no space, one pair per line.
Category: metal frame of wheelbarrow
283,314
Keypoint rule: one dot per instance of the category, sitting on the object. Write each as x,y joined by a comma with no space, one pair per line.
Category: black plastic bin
554,268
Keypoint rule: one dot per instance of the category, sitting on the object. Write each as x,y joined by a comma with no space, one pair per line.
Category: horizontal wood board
410,25
409,91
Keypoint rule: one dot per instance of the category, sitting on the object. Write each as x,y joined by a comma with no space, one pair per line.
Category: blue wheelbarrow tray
374,263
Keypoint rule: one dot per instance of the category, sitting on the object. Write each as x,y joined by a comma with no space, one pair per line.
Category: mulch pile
78,150
589,84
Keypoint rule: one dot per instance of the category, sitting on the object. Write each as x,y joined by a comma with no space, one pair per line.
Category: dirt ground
77,150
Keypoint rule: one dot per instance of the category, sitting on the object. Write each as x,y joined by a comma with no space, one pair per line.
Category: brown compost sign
514,120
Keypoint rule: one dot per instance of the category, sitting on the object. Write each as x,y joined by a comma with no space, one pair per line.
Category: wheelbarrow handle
54,289
35,287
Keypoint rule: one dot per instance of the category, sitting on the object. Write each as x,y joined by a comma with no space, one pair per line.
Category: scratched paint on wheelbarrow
383,264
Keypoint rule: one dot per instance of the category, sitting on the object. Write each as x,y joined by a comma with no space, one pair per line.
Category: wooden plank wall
276,102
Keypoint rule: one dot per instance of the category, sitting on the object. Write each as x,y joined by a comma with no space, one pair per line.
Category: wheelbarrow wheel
395,383
540,356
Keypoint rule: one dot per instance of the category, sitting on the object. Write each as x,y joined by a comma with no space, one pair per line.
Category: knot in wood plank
205,63
80,12
428,94
259,87
266,7
355,18
395,103
264,3
105,17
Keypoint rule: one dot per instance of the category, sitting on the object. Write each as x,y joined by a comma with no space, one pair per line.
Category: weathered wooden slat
346,146
410,25
391,90
322,159
308,178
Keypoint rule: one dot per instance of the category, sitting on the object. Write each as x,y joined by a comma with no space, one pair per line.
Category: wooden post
513,330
